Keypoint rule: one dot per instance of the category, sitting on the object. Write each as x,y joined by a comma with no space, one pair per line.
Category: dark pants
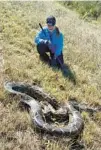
43,49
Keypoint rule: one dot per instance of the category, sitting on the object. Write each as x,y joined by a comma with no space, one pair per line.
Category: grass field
19,61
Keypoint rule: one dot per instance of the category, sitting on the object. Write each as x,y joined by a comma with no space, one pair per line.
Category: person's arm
59,46
40,37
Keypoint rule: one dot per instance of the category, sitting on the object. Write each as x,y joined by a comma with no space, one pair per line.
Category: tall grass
87,9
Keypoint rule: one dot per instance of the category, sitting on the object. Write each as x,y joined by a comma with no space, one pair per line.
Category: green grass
87,9
19,25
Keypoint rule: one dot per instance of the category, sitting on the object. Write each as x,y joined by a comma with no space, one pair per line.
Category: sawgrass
19,25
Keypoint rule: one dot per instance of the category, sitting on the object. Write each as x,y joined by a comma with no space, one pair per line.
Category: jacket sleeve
39,37
59,46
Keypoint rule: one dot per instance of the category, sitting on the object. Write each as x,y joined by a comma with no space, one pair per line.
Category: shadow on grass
67,73
65,69
77,146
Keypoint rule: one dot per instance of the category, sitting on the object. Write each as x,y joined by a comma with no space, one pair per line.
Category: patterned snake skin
33,96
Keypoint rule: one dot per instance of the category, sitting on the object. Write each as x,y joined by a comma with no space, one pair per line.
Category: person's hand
47,42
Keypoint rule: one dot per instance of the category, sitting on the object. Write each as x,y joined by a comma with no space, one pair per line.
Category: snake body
33,95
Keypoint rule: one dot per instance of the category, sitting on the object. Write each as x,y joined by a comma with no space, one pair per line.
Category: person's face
50,28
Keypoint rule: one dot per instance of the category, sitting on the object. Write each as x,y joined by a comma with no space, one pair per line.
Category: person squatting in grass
50,39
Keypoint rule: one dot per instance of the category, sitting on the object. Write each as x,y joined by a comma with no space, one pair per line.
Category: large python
33,96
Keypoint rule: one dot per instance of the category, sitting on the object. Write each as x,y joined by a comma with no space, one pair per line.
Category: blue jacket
57,41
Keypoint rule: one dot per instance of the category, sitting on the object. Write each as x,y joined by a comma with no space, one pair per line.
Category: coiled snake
36,98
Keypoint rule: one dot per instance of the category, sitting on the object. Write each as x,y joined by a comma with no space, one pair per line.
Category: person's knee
41,48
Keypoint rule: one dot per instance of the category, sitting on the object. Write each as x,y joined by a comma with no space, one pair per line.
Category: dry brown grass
18,26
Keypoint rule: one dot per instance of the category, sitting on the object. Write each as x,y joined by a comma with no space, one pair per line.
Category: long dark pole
51,49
